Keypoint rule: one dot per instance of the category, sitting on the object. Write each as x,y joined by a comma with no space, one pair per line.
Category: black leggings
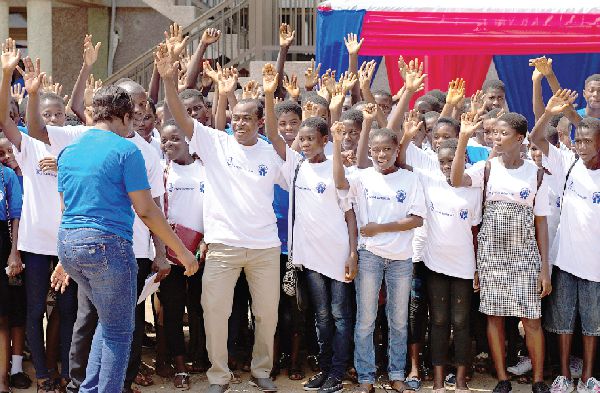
449,302
172,295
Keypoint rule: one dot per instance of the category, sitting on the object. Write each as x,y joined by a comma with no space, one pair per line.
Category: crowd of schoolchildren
324,227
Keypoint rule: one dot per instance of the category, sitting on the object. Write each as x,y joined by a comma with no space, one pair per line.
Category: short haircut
451,144
491,114
516,121
438,94
288,107
191,93
111,102
436,105
382,93
152,106
383,132
170,123
359,104
449,121
316,99
590,123
552,135
72,120
259,105
556,119
317,123
122,80
493,84
431,115
592,78
131,86
352,115
48,96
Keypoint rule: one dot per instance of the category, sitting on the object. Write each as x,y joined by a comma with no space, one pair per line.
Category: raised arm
292,88
367,72
339,174
270,86
353,46
362,151
34,79
226,82
558,103
286,37
167,68
311,76
209,37
412,125
90,55
414,77
455,96
10,59
469,122
537,99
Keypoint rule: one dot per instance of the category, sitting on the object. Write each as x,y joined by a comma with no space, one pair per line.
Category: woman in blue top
100,176
10,260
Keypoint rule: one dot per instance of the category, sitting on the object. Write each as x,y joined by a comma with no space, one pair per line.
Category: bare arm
353,46
469,123
154,86
541,236
90,55
558,103
538,100
414,78
270,81
362,151
286,37
209,37
9,62
352,261
339,174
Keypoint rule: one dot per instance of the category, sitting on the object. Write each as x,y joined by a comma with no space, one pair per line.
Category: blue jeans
104,267
333,320
372,270
37,283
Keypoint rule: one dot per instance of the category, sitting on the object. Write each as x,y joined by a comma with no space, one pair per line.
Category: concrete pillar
3,20
39,32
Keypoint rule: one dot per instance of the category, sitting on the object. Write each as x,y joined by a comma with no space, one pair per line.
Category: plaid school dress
508,261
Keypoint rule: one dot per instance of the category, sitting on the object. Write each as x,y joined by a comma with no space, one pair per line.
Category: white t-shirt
579,231
185,186
518,185
386,198
61,137
240,197
155,143
450,215
320,234
40,218
426,160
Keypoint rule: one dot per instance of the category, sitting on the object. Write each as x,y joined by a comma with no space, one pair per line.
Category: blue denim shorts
570,295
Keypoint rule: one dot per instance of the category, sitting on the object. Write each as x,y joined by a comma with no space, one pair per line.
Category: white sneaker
591,386
562,385
522,367
576,366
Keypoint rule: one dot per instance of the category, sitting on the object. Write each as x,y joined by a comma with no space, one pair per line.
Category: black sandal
296,374
182,381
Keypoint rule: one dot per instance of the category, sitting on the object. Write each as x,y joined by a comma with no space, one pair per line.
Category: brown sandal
364,388
404,387
182,381
143,380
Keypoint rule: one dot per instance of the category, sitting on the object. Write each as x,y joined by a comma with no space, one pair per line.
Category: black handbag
293,279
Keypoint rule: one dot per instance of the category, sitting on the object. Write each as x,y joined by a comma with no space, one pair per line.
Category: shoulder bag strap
6,203
486,177
293,191
566,180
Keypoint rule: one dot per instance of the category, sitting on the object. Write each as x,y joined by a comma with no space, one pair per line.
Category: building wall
69,26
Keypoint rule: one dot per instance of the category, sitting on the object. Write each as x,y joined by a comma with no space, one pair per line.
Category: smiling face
288,125
591,93
146,128
7,156
384,152
506,139
536,155
173,143
445,157
245,123
312,142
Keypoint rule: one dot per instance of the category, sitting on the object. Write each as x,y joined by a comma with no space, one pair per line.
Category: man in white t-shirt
576,276
240,225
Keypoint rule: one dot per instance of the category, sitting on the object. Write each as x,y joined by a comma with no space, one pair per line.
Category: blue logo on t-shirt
262,170
400,196
321,187
202,187
557,201
463,214
170,187
596,198
524,193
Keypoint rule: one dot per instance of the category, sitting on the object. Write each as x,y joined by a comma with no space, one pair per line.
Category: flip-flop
391,387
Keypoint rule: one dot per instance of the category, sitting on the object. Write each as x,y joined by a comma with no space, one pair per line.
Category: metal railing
249,30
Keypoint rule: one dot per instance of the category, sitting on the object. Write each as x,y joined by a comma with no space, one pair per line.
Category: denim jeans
37,283
372,270
104,266
333,320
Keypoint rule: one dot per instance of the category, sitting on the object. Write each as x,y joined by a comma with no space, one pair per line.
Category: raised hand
561,100
412,125
291,86
311,75
50,87
328,80
347,81
286,35
469,123
90,52
91,87
365,74
270,75
337,99
210,72
250,90
33,78
10,55
369,111
17,92
456,92
310,110
402,66
166,64
210,36
352,43
175,40
337,131
323,91
181,80
227,79
477,102
542,65
414,76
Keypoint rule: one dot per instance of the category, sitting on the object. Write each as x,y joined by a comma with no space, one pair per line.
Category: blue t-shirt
95,175
281,203
476,154
12,189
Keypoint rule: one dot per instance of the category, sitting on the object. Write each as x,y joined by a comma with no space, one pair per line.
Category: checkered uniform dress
508,261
